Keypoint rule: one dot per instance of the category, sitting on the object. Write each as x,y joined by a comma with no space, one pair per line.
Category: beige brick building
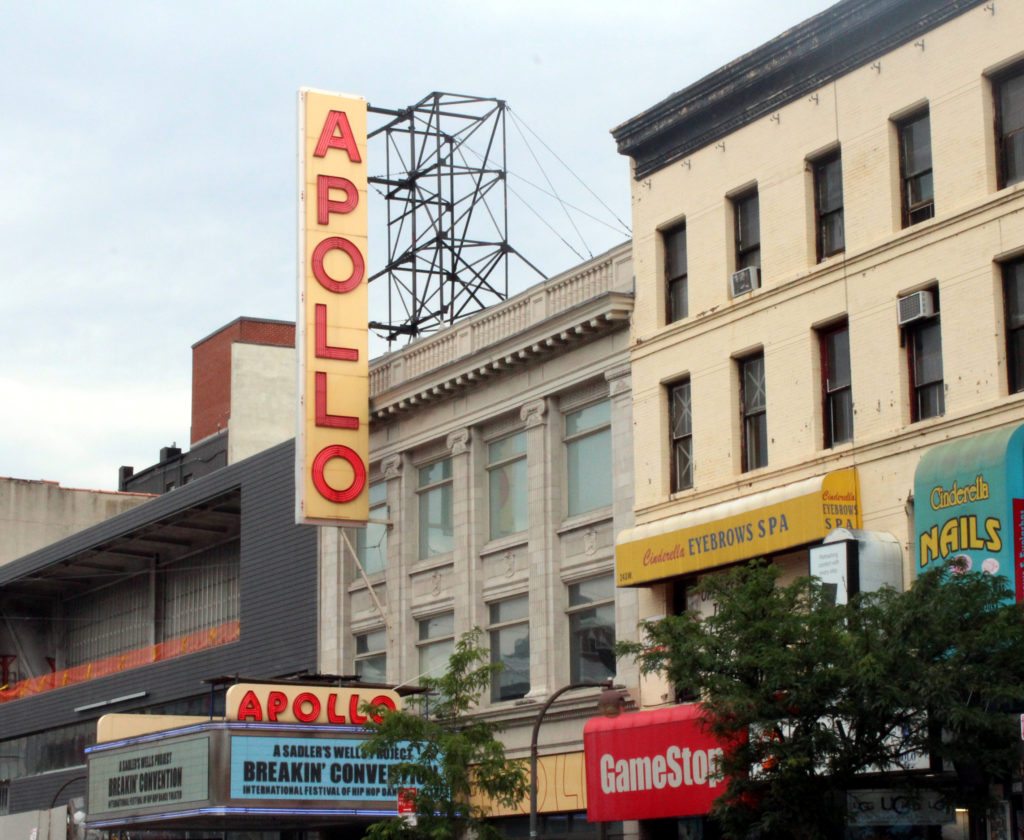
829,259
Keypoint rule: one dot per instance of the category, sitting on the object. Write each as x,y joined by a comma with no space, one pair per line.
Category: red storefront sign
649,765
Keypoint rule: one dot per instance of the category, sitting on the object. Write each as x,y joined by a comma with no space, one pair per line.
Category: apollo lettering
307,707
676,767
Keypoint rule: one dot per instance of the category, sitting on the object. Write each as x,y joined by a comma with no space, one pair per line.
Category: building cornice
551,318
840,39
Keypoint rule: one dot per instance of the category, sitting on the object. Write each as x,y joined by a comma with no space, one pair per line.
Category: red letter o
358,469
300,710
338,243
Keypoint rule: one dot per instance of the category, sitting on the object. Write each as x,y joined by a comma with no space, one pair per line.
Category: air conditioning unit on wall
745,280
915,306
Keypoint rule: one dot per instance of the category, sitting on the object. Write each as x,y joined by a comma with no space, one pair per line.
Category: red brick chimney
211,368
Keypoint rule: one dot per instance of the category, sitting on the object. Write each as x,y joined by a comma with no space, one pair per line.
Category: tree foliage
813,695
457,754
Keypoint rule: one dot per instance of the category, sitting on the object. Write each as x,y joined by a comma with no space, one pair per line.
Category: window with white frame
436,643
591,614
588,455
437,533
371,655
507,481
372,541
509,630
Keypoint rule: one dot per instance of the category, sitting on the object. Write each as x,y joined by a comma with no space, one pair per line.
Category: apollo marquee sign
332,443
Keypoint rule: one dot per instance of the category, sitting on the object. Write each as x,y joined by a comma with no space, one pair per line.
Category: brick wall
211,369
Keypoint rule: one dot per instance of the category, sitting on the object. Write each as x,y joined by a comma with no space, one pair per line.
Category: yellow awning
751,526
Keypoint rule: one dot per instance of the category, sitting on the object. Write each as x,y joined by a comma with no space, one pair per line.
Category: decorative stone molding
590,542
619,381
458,442
532,414
510,563
391,467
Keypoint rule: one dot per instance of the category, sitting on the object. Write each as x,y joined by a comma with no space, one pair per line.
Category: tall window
747,214
372,541
588,444
506,476
828,205
1009,94
592,629
1013,295
437,535
915,139
837,391
436,643
675,272
680,419
924,355
754,404
510,645
371,656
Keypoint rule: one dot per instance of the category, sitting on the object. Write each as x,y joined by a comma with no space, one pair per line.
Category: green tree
811,695
458,756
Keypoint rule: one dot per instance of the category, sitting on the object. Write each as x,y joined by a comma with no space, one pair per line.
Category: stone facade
511,373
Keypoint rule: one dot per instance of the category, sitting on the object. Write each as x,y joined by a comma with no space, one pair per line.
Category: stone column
540,545
459,443
391,469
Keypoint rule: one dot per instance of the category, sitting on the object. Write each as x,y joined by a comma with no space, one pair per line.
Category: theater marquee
332,441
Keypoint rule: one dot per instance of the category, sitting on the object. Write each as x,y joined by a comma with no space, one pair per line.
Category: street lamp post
609,702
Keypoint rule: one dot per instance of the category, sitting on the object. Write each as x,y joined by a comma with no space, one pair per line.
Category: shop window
754,405
1013,296
372,541
747,218
1009,98
676,292
588,444
917,187
436,643
507,481
923,340
828,205
437,533
837,390
509,631
681,422
592,629
371,656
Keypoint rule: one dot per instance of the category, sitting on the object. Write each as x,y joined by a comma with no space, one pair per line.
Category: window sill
504,543
435,562
581,520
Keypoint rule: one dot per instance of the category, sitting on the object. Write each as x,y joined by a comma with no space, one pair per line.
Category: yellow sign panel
807,517
332,446
561,786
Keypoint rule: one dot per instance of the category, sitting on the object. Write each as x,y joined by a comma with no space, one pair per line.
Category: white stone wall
454,409
262,398
34,514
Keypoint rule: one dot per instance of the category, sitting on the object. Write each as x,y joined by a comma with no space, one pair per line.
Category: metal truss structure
446,195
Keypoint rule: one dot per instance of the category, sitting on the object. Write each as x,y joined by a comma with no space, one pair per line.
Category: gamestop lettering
676,767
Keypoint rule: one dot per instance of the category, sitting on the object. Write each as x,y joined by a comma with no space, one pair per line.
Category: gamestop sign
650,765
332,444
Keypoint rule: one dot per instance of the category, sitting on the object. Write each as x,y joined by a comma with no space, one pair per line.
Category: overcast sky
148,173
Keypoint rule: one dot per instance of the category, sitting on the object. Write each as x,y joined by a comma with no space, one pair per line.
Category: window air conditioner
915,306
745,280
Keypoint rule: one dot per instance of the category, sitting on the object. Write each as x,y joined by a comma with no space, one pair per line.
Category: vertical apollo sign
332,444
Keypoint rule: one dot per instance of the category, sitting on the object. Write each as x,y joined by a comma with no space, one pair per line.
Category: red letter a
337,134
